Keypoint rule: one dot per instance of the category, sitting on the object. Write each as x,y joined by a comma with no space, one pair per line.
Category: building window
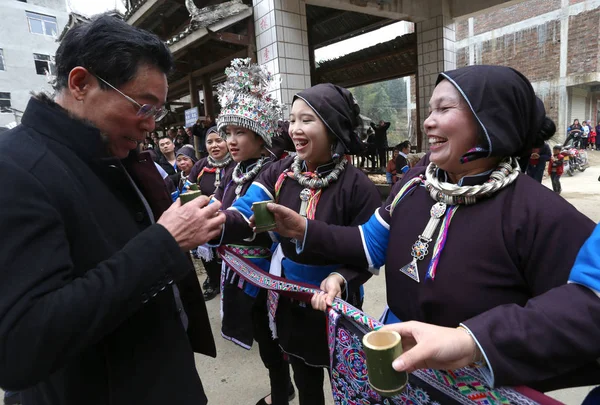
42,24
2,66
43,64
5,103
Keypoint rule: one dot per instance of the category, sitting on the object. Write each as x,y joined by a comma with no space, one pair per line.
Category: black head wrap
338,110
509,114
213,129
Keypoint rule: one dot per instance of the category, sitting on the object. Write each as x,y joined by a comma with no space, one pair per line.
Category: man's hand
289,223
331,287
430,346
194,223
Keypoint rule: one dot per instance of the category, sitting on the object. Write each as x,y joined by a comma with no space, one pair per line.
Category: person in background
585,135
598,136
540,154
592,138
172,133
555,168
574,132
390,169
402,165
208,173
167,159
381,142
186,158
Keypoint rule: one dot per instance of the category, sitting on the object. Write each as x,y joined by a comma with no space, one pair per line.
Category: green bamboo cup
189,196
263,218
381,349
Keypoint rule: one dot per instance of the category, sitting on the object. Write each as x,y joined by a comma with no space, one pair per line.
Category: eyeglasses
146,110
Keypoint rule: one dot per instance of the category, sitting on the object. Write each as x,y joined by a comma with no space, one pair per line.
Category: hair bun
547,129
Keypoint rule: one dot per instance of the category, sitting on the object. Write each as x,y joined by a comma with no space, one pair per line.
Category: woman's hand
331,287
430,346
290,224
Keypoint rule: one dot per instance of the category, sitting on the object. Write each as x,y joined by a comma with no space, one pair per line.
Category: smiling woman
318,184
474,250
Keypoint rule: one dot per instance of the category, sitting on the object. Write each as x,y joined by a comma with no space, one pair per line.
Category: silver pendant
420,248
412,270
304,197
238,189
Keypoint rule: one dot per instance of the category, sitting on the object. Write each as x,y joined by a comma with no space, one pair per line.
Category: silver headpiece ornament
245,101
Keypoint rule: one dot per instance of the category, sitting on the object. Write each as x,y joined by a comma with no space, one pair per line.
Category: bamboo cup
189,196
263,218
381,349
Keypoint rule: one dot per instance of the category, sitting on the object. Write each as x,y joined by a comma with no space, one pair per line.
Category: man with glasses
98,302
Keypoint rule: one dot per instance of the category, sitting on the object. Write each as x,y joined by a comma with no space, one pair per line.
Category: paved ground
238,377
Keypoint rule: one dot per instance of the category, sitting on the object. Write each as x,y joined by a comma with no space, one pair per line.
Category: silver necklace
451,195
313,183
240,178
219,164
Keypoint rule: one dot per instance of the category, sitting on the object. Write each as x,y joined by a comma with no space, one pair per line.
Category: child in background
592,138
390,169
555,168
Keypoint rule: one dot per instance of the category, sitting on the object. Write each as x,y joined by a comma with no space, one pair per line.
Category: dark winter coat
88,314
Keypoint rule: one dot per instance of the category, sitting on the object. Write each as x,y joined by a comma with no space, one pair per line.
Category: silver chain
316,183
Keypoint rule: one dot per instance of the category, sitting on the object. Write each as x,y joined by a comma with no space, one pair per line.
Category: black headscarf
338,110
508,112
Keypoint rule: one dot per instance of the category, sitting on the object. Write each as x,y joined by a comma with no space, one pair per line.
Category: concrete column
282,45
436,53
564,105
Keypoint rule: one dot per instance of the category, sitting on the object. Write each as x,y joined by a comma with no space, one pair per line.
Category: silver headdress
245,102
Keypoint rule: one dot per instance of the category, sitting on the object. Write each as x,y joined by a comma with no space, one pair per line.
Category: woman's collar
322,169
469,180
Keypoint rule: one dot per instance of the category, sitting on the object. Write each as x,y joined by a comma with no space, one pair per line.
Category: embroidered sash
349,378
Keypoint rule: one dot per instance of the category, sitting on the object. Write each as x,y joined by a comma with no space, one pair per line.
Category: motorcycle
574,159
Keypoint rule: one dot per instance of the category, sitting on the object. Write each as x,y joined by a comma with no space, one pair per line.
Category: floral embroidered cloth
349,377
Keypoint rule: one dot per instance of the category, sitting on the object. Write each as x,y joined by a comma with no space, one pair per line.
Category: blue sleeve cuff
375,236
300,245
257,192
404,169
485,369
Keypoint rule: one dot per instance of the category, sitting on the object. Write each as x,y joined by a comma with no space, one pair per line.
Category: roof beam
353,33
373,78
322,71
230,38
182,84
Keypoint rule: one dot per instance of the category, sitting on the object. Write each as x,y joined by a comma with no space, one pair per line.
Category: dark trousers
584,143
309,381
555,182
536,172
213,272
270,352
382,157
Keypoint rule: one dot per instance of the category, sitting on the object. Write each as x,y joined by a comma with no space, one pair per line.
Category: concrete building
553,42
28,32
